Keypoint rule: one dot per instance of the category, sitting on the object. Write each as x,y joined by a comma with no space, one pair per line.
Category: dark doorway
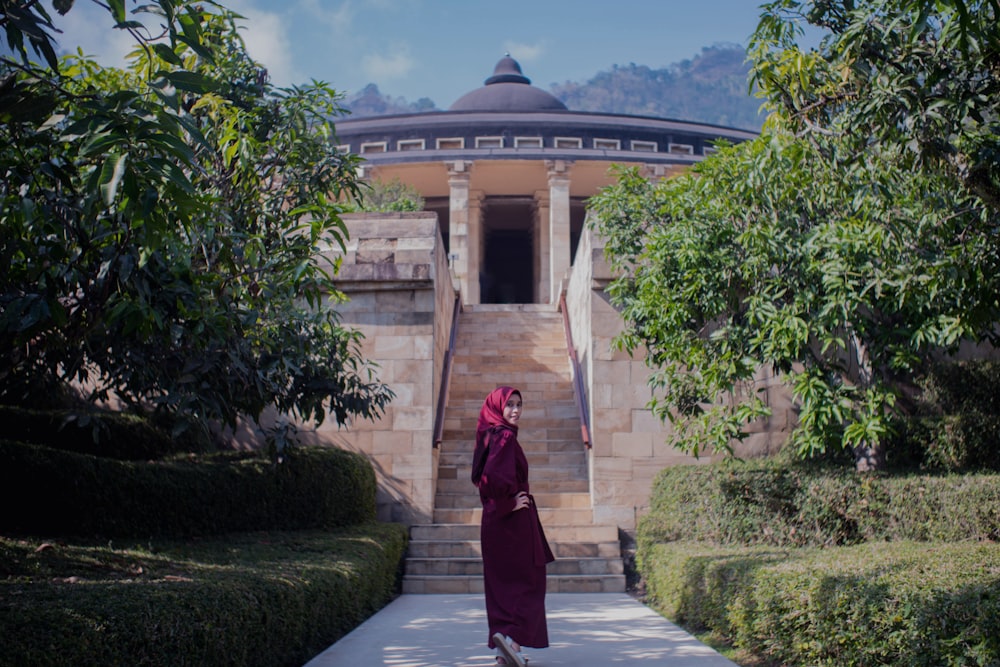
508,276
508,252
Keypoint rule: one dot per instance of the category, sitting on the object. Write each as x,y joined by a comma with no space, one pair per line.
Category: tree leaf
167,54
193,82
101,143
117,8
111,176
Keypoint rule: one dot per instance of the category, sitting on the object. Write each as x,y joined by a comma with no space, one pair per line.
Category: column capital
654,171
558,167
458,168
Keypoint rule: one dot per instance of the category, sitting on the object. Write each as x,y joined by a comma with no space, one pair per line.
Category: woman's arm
499,480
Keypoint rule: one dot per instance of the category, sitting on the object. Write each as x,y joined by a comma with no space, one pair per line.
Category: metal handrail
578,388
446,375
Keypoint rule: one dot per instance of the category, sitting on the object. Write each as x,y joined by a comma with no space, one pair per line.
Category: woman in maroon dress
514,548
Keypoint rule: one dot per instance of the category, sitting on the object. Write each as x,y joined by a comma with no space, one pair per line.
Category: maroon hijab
490,421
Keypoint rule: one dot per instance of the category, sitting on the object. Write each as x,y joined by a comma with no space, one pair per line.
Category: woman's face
512,409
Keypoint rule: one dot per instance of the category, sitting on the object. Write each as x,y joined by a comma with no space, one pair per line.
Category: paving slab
584,629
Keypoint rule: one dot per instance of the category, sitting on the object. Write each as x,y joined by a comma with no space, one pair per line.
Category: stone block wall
628,443
395,273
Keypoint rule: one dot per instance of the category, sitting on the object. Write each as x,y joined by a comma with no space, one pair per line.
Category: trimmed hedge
265,600
49,492
115,435
905,604
774,504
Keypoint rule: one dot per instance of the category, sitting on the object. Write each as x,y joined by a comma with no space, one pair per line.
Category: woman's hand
521,501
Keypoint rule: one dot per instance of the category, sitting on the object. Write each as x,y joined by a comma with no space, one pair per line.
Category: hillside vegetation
712,87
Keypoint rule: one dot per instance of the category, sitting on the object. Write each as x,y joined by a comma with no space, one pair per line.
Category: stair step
571,583
423,567
579,485
578,500
554,533
531,408
540,462
462,460
472,549
543,428
559,515
560,439
470,389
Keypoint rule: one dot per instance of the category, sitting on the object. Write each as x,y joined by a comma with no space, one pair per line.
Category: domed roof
508,90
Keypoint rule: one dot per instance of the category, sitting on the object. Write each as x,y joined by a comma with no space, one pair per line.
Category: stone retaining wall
629,443
396,274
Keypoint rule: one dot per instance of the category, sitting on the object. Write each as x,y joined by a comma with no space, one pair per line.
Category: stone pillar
559,226
541,239
458,229
475,246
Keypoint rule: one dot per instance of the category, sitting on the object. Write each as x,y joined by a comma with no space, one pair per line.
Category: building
498,282
508,170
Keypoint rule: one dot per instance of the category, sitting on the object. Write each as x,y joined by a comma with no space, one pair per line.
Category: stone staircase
523,346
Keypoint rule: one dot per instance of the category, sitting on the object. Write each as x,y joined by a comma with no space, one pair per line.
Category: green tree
919,75
163,226
394,196
851,242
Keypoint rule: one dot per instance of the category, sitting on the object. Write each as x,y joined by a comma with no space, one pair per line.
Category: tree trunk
869,458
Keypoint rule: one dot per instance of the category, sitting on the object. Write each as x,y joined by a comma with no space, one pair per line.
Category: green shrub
903,604
394,196
261,599
964,386
772,504
956,423
115,435
50,492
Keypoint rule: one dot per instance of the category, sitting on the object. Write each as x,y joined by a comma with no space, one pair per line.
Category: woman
513,545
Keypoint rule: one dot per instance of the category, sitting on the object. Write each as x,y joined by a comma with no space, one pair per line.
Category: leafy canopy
393,196
164,225
851,241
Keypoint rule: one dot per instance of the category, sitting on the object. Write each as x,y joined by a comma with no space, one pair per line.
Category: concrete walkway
584,629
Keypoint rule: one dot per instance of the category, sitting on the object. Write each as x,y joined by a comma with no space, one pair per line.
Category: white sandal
506,647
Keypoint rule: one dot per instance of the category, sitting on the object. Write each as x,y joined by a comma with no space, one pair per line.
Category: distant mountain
709,88
371,102
712,88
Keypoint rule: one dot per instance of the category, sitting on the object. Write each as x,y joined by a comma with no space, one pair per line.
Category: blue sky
441,49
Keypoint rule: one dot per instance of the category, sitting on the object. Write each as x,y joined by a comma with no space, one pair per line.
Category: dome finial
507,71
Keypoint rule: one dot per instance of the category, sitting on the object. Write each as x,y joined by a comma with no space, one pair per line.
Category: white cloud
266,37
387,66
338,18
91,28
523,52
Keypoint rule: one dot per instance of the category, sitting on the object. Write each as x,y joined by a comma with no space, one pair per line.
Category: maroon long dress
514,547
